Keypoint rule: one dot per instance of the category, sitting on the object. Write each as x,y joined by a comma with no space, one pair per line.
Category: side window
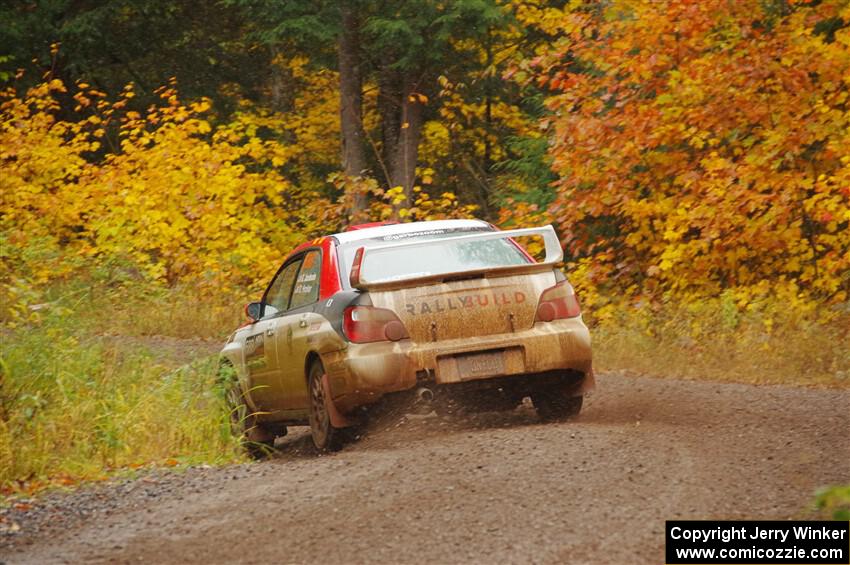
277,297
306,289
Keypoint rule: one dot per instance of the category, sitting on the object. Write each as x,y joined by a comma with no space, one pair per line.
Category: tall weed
770,341
76,405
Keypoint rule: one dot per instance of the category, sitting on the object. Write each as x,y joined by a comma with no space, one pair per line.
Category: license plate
479,364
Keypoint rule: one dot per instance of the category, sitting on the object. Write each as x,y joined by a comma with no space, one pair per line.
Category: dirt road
493,488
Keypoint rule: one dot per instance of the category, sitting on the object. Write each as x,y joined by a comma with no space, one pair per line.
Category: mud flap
338,420
588,383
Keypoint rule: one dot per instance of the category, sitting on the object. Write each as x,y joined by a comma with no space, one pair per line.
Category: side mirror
253,310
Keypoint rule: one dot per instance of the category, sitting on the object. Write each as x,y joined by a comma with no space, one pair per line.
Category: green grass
832,503
77,405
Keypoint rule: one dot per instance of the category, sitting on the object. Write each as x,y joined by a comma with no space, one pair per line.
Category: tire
491,401
326,437
253,438
555,404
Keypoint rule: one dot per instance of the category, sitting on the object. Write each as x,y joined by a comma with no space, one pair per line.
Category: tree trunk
389,107
403,157
280,82
351,101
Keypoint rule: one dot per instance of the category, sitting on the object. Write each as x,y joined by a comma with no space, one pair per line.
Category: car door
293,346
261,357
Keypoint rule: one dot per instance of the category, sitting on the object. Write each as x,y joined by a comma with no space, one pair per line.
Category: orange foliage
704,145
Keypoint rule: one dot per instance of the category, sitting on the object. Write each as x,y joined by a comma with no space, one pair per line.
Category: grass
149,310
832,503
105,378
769,344
84,395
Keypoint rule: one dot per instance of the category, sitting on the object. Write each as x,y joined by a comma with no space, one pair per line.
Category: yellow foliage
389,204
182,199
169,194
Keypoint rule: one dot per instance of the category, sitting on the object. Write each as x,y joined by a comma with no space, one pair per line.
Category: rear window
448,257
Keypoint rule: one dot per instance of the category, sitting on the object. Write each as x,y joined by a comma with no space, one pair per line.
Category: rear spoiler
554,256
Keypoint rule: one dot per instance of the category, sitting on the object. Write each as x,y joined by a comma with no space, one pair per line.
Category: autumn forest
158,160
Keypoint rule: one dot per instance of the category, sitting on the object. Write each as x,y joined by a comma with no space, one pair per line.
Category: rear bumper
362,373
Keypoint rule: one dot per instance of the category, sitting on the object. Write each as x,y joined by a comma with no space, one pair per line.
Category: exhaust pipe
424,395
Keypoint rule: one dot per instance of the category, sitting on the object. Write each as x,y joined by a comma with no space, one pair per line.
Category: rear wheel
326,437
556,404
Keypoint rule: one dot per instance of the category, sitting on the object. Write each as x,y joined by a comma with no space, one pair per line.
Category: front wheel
555,404
254,439
326,437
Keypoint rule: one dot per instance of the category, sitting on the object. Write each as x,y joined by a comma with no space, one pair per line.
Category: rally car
430,310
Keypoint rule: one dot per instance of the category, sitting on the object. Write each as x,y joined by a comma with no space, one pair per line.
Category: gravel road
490,488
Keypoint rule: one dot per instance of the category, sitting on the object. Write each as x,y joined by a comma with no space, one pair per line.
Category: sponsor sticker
483,300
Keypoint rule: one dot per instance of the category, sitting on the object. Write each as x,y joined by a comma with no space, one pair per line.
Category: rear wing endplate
554,256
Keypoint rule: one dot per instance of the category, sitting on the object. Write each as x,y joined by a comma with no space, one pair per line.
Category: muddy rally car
450,313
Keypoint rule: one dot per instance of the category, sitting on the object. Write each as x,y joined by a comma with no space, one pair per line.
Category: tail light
365,324
557,303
